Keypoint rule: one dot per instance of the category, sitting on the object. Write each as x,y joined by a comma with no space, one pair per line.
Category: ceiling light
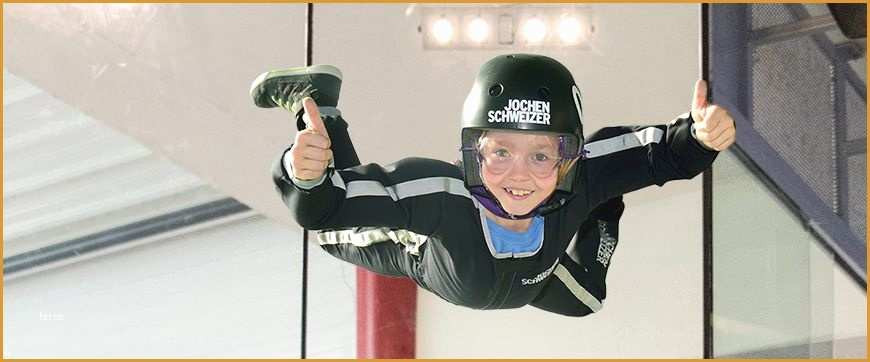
534,30
570,30
478,30
442,30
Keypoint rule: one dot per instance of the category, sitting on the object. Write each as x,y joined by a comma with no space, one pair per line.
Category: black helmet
522,92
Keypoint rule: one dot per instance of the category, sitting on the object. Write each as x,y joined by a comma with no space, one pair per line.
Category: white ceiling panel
67,175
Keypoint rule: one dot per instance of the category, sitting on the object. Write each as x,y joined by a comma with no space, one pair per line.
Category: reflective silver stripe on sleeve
623,142
581,293
423,186
410,240
368,188
337,181
430,185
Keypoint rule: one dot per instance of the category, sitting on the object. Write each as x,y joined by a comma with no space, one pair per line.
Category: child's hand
714,127
310,154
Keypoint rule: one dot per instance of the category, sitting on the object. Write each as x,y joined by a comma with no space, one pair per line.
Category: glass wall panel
772,285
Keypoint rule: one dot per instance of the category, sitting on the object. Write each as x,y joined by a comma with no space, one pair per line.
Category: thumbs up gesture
311,152
714,127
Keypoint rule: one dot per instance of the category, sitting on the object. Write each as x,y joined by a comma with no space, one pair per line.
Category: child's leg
286,88
376,249
380,250
577,287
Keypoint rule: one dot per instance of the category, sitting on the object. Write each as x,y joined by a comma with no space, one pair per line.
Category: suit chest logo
540,277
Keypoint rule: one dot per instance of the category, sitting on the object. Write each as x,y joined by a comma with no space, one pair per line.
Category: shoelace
288,94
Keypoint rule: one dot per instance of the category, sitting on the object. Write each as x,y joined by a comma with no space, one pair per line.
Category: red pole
386,316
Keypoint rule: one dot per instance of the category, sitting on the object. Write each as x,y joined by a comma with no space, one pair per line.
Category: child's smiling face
519,168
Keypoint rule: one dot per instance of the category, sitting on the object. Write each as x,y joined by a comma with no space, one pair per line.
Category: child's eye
541,157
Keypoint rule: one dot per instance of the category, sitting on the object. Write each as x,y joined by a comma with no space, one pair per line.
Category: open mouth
518,194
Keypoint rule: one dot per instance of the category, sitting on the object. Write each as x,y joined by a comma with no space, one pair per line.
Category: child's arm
624,159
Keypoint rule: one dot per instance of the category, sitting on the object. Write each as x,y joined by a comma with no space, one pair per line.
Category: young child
531,214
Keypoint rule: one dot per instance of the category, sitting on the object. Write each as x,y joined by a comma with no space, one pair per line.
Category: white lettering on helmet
522,111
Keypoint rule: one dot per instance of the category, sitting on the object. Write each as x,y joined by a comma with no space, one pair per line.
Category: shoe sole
268,79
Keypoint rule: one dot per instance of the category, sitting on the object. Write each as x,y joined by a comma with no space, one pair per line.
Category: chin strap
490,202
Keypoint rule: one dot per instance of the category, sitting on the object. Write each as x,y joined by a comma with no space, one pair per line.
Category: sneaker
287,87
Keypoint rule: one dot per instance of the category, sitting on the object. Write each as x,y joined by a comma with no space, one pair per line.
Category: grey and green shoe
286,88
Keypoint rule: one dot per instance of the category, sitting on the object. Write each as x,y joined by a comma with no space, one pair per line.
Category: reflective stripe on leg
581,293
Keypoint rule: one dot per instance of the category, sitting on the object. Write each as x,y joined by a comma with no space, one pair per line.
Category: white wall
226,291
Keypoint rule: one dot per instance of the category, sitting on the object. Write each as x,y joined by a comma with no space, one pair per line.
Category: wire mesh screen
856,113
767,15
798,88
793,110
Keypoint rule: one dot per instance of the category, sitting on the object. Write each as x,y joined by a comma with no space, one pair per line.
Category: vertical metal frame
309,55
838,137
707,199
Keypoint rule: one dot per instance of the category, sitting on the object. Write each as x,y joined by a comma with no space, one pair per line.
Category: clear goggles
499,159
